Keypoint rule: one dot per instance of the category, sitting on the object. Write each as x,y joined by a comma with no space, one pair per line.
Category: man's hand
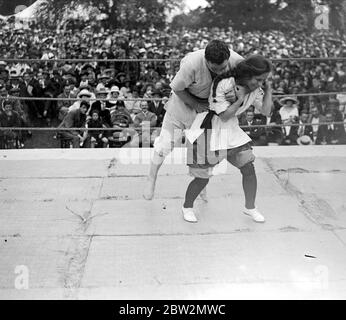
201,107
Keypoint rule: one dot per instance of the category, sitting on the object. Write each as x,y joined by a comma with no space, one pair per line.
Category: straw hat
304,140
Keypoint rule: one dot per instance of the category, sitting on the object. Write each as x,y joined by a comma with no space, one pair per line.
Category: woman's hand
231,96
240,93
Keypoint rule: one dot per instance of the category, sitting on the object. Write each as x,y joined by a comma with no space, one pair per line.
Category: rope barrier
159,60
151,99
155,128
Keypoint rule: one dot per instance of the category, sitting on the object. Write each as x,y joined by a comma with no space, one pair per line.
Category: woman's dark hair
84,103
254,65
217,52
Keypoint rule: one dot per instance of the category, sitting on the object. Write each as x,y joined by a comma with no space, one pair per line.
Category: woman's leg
249,184
193,190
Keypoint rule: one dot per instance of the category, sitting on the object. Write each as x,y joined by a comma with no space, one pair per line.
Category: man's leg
170,134
70,136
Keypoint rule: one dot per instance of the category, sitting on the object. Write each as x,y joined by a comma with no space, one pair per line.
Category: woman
289,114
226,140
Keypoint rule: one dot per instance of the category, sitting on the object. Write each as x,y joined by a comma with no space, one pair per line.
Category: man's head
249,115
216,55
304,115
315,112
67,89
329,116
144,105
26,77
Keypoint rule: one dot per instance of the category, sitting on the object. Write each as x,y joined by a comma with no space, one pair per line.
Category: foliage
116,13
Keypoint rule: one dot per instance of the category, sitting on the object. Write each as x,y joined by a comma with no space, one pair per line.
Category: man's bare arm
199,105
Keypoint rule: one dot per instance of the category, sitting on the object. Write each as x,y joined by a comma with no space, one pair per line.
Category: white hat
84,92
304,140
290,98
115,89
142,50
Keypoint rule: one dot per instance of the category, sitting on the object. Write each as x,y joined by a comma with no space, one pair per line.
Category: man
9,118
257,134
100,106
331,133
75,119
304,128
191,87
314,119
157,107
63,105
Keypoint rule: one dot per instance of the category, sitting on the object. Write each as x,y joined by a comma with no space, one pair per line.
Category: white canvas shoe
255,214
189,215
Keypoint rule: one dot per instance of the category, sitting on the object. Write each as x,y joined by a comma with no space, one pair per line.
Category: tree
265,14
126,13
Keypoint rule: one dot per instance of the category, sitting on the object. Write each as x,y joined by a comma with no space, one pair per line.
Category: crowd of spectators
126,80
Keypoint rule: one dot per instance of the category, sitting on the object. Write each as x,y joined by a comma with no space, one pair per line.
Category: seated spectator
341,97
257,134
333,107
274,133
64,105
75,118
121,121
96,138
9,138
100,105
331,133
289,114
134,106
304,128
113,102
157,107
314,119
103,80
83,94
144,122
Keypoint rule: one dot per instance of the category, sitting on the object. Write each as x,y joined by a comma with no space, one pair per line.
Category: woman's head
252,71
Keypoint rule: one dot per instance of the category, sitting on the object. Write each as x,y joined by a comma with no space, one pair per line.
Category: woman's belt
206,124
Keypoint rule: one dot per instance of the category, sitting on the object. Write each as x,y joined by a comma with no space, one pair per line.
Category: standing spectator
75,119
